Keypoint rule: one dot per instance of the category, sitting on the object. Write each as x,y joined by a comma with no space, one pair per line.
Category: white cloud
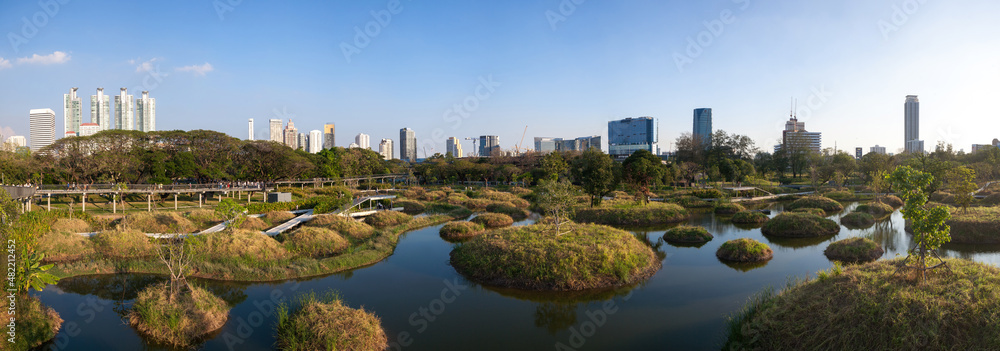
200,70
53,58
4,63
144,66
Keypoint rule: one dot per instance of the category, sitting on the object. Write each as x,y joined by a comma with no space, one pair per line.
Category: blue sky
560,68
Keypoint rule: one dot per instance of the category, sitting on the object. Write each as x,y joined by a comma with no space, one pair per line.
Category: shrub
854,250
326,324
687,234
124,244
181,322
272,207
728,208
877,209
410,207
383,219
800,225
343,225
892,200
857,220
749,217
315,242
159,223
653,213
744,250
823,203
708,193
508,209
461,230
493,220
809,210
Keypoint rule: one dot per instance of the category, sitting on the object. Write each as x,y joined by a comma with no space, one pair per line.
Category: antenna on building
791,107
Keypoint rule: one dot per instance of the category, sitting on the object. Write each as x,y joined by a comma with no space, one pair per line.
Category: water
425,305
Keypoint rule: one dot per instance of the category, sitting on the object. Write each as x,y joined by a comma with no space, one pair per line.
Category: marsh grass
493,220
857,220
749,217
325,323
254,223
820,202
687,234
632,214
275,218
461,230
180,323
744,250
344,225
814,211
728,208
876,209
979,225
35,322
384,219
410,207
800,225
123,245
854,250
61,246
315,242
507,208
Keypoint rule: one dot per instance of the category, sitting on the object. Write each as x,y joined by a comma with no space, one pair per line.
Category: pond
425,305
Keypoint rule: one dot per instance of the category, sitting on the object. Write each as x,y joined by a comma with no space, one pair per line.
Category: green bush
800,225
687,234
653,213
493,220
749,217
820,202
744,250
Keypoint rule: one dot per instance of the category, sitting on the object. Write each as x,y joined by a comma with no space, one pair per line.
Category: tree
962,182
231,212
555,197
874,168
176,255
553,166
595,170
928,224
642,170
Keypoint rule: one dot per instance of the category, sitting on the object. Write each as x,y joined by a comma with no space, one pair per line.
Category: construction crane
518,146
474,149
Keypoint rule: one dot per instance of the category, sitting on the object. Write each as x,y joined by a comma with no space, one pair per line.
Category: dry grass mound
315,242
158,223
65,246
892,200
461,230
687,234
241,245
992,199
457,199
744,250
820,202
651,214
274,218
728,208
857,220
494,195
814,211
326,324
493,220
254,223
749,217
477,204
124,244
410,207
384,219
343,225
71,225
854,250
978,225
800,225
876,209
204,218
180,323
35,324
509,209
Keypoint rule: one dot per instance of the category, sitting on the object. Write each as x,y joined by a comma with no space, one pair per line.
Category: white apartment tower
145,111
911,114
315,141
275,128
100,109
385,149
124,114
72,112
42,128
363,141
250,132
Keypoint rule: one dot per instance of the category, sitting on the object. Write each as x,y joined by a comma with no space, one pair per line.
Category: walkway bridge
21,194
368,206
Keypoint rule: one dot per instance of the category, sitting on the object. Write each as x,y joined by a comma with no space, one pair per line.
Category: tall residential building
291,135
981,147
250,131
911,114
275,128
145,113
88,129
123,111
385,149
454,146
315,141
303,141
329,138
353,145
488,144
877,150
632,134
407,145
13,142
547,144
363,141
72,112
703,126
42,126
796,138
100,109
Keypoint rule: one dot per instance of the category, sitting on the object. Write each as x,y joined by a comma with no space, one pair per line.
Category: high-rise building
100,109
385,149
454,146
275,128
703,126
981,147
88,129
72,112
632,134
363,141
996,142
911,114
250,132
858,152
291,135
547,144
877,150
795,137
407,145
13,142
315,141
145,113
123,111
329,138
488,144
303,141
42,125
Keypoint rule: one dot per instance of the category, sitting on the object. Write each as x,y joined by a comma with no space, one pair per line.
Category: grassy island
980,225
343,225
631,214
820,202
811,210
892,200
36,324
744,250
493,220
687,234
461,230
182,322
800,225
728,208
386,219
876,209
584,256
857,220
854,250
326,324
848,309
749,217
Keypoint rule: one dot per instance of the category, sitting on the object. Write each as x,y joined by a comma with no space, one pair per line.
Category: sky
542,68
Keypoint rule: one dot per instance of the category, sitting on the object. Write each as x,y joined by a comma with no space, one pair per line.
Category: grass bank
980,225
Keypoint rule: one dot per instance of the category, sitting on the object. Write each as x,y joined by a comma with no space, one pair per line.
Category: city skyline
847,62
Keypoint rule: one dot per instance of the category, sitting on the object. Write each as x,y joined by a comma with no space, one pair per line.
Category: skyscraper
303,141
632,134
547,144
291,134
145,113
795,137
123,111
407,145
454,146
315,141
877,149
488,144
385,149
72,112
100,109
363,141
329,138
13,142
42,125
703,126
911,114
250,132
275,127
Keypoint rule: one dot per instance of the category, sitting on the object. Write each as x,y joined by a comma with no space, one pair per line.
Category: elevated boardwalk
357,209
